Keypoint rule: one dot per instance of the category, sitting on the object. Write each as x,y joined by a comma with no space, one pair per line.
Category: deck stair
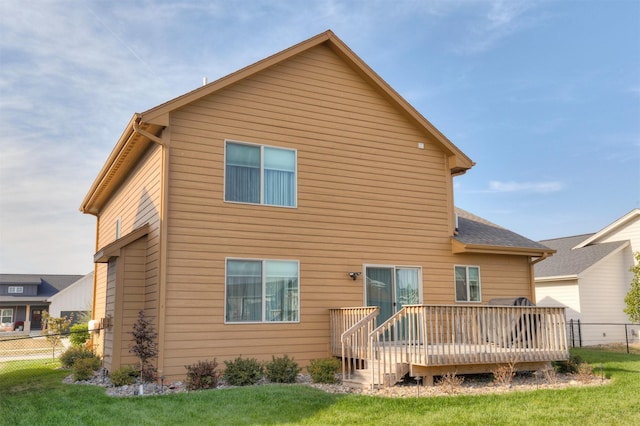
365,378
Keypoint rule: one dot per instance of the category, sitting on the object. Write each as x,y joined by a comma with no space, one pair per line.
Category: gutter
545,255
111,164
137,129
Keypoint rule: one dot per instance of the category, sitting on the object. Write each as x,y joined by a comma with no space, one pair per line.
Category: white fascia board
556,278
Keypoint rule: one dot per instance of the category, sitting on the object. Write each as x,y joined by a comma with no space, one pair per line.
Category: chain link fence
21,350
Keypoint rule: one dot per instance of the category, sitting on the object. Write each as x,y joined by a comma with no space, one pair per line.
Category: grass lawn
38,396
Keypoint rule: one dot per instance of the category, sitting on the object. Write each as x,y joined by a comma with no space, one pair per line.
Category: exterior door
391,287
36,318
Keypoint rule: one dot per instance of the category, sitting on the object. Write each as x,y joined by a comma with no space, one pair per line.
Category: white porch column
27,320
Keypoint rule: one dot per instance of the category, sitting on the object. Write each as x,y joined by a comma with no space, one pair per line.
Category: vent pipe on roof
204,81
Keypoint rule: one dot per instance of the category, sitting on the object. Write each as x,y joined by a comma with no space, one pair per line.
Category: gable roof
48,285
478,235
86,280
570,259
145,127
615,226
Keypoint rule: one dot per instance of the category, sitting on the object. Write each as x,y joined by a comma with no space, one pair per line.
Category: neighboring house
23,298
590,276
246,217
75,301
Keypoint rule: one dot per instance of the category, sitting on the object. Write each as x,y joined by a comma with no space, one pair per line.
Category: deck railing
350,331
439,335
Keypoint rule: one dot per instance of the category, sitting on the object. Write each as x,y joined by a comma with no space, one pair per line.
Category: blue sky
543,95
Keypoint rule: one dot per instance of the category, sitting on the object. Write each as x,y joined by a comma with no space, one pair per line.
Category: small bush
83,368
69,357
125,375
450,382
324,370
282,370
568,366
585,372
243,371
550,375
79,334
504,373
202,375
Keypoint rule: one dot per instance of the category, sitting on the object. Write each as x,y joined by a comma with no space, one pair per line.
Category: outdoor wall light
354,275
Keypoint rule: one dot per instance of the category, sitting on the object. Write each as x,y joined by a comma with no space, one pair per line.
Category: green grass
38,396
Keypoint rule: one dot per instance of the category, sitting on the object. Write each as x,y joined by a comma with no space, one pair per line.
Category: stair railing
354,342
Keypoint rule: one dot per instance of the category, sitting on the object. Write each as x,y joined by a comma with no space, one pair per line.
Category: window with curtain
260,175
262,291
467,284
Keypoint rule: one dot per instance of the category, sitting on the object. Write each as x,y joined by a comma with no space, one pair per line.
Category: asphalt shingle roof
568,261
48,285
473,229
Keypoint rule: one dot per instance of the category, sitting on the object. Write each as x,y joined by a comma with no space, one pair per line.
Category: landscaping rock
479,384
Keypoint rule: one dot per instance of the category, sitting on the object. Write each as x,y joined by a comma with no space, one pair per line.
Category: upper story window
467,284
262,291
18,289
260,174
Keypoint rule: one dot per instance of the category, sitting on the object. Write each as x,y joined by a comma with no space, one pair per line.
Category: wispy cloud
501,19
537,187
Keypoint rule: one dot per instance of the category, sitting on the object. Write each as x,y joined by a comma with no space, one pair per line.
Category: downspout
539,259
532,275
150,136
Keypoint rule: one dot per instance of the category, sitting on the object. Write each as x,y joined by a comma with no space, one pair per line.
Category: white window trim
262,147
2,315
15,289
455,296
394,267
264,288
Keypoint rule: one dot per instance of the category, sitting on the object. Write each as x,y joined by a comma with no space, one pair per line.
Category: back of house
238,214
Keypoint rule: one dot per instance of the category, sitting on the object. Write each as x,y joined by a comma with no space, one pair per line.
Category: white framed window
467,280
15,289
259,174
6,315
262,291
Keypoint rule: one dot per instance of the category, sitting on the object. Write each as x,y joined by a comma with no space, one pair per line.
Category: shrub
69,357
504,373
243,371
145,346
125,375
83,368
568,366
324,370
202,375
282,370
450,383
550,375
585,372
79,334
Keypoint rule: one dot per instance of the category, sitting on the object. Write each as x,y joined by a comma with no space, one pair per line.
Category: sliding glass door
392,287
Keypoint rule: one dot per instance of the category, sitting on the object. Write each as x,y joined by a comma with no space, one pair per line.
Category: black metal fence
583,334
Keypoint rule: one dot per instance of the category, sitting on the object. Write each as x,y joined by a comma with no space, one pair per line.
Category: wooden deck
429,340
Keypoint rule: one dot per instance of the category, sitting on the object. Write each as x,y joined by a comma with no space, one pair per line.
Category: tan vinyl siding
135,203
366,195
108,307
132,295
